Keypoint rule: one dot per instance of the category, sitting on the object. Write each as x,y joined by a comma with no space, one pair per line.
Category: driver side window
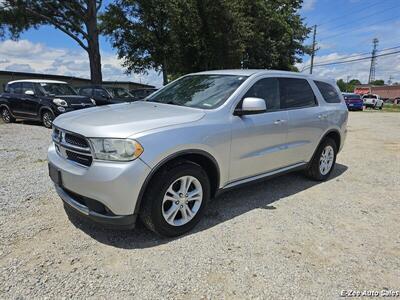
267,89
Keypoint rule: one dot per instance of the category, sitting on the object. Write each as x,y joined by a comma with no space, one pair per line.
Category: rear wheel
47,118
6,115
380,107
323,161
176,198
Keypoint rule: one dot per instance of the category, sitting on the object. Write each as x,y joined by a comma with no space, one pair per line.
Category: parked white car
372,101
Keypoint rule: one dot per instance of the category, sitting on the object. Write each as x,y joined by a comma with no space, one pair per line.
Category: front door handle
277,122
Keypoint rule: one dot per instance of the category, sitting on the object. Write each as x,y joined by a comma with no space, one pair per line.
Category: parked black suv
104,95
40,100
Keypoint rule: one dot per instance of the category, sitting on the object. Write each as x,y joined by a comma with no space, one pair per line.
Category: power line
350,13
351,56
370,15
352,60
357,29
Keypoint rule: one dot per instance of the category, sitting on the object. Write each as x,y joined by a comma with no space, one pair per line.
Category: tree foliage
182,36
378,82
347,86
76,18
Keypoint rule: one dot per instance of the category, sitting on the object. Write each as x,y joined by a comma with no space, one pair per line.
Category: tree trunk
93,44
164,71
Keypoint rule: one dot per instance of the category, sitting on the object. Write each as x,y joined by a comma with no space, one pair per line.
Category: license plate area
55,175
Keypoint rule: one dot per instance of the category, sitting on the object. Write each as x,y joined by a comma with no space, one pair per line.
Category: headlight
116,149
60,102
94,102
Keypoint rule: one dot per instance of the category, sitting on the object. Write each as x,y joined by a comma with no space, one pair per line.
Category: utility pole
313,48
373,60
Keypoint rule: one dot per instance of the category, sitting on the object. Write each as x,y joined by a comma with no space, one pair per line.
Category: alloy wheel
326,160
6,115
47,119
182,201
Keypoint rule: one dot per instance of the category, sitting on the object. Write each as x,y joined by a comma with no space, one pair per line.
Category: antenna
371,78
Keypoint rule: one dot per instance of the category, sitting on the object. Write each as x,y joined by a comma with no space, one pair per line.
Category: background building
6,76
384,91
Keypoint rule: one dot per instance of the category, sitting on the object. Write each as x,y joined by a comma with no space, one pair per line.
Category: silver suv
162,159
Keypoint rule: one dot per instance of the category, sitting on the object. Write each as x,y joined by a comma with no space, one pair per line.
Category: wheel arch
8,108
200,157
332,133
45,108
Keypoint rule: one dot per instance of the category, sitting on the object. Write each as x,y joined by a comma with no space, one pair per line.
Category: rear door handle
322,117
277,122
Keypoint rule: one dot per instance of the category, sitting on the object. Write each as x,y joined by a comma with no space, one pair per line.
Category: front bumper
79,206
116,185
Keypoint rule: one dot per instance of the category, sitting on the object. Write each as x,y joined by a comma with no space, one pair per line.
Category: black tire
380,107
47,118
6,115
313,170
152,205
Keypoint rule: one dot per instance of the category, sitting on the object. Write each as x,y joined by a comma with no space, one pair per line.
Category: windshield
201,91
57,89
370,96
119,92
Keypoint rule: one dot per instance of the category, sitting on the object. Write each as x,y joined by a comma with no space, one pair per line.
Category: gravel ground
284,238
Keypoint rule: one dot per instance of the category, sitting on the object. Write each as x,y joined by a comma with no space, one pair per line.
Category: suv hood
125,119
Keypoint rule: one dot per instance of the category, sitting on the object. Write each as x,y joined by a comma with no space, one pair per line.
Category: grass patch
386,108
41,160
391,107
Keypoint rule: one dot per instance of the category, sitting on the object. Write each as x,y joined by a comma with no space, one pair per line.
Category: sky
344,28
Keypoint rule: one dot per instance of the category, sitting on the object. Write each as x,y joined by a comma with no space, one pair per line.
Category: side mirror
251,106
30,93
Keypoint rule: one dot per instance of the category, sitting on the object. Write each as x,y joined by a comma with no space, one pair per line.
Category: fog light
61,109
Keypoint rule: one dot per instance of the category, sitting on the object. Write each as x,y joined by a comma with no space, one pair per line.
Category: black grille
76,140
79,158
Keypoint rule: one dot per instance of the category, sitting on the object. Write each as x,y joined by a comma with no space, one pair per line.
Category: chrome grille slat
68,147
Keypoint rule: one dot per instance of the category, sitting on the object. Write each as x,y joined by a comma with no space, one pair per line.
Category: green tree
182,36
141,32
273,33
342,85
76,18
378,82
347,86
352,84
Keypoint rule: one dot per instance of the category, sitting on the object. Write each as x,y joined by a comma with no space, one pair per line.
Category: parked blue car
353,101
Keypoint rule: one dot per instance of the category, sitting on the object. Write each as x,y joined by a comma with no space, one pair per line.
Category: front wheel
6,115
175,199
323,161
47,119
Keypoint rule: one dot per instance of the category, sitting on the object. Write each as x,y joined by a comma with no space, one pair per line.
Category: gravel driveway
285,238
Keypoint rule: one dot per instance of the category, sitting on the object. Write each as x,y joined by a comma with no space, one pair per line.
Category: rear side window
328,92
296,93
86,92
15,88
267,89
